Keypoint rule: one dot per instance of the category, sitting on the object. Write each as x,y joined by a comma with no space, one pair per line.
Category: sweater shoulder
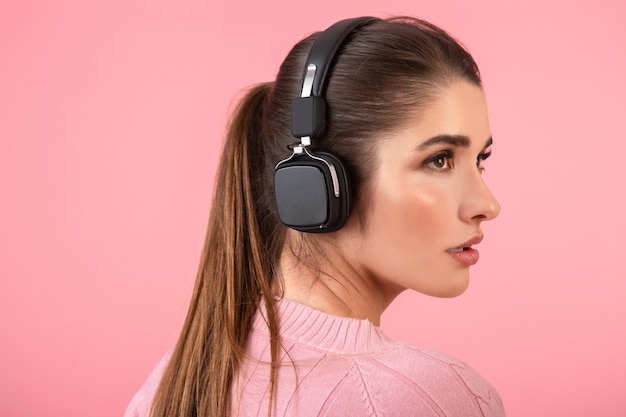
437,381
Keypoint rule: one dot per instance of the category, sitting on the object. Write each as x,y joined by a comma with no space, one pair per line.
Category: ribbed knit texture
337,366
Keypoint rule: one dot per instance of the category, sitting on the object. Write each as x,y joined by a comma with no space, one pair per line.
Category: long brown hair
382,76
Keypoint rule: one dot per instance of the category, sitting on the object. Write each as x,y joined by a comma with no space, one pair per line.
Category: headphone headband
308,112
325,48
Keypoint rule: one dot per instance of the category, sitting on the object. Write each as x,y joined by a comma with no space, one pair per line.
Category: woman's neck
322,278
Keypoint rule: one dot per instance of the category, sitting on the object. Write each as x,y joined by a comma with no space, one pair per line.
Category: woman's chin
451,286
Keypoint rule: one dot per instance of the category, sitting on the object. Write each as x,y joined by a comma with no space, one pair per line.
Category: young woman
353,176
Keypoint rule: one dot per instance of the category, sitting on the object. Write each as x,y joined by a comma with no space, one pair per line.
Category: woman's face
427,200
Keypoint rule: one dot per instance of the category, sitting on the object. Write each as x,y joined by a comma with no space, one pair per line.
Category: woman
326,208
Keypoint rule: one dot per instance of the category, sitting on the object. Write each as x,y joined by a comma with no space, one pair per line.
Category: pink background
111,116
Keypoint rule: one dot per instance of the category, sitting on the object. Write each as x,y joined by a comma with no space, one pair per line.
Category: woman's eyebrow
460,141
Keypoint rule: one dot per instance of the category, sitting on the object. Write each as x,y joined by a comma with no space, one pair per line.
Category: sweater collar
340,335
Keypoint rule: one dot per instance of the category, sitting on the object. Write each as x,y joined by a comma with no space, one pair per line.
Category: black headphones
312,190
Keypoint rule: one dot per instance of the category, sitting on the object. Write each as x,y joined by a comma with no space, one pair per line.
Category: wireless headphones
312,190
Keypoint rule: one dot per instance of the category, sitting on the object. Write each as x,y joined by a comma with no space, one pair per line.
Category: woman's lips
467,257
465,254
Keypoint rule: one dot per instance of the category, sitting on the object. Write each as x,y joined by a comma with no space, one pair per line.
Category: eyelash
447,156
482,157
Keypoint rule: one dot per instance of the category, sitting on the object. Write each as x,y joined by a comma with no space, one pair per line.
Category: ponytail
234,274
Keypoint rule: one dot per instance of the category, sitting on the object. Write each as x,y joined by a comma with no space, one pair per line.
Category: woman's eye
480,158
440,161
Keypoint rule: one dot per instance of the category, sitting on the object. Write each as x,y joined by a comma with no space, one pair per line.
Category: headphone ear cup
312,193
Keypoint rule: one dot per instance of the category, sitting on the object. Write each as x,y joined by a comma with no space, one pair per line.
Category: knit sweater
337,366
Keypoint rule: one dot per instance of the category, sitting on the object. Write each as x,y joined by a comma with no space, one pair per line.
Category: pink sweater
338,366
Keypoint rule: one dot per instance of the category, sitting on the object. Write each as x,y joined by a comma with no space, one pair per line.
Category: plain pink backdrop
111,116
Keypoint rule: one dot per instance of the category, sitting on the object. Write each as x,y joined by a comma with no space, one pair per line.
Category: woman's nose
479,203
